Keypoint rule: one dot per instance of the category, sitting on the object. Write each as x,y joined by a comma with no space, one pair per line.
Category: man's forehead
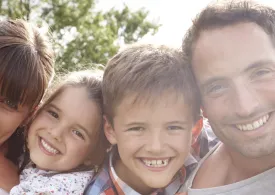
232,47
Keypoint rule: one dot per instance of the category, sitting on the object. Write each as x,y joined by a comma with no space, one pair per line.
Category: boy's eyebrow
183,123
134,123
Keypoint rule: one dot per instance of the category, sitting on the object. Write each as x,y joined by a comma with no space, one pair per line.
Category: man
231,49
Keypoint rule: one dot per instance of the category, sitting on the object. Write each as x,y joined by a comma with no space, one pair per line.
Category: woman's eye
77,133
53,114
10,104
136,129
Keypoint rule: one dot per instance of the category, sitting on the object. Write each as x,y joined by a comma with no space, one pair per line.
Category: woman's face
11,117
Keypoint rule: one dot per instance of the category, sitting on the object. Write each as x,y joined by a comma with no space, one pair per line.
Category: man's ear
109,131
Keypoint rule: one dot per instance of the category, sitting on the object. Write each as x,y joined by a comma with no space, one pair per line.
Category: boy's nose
155,143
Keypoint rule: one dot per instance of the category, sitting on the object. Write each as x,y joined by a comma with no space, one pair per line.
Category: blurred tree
83,36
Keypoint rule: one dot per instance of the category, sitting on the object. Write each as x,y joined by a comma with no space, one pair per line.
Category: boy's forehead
136,102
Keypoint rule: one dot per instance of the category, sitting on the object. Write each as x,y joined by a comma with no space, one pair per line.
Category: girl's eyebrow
51,105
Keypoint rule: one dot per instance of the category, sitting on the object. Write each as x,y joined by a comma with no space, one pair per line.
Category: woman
26,68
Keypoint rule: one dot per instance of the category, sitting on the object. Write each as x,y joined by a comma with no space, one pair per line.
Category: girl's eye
77,133
174,127
53,114
136,129
10,104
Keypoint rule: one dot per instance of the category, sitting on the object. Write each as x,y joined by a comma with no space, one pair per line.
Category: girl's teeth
48,147
156,163
254,125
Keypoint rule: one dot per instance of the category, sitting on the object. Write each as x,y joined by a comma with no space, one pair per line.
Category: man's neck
225,166
242,167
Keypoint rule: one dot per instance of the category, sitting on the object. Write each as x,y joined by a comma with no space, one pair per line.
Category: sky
175,16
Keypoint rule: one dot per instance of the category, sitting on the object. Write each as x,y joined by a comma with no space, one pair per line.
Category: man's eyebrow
250,67
258,64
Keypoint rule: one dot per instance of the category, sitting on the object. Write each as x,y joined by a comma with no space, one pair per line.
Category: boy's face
153,140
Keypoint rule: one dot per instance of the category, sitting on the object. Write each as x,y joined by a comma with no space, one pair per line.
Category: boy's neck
130,179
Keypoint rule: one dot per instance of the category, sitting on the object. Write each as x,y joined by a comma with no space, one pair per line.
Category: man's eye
10,104
261,72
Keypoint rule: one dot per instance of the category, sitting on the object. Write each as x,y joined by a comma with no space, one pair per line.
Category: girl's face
61,136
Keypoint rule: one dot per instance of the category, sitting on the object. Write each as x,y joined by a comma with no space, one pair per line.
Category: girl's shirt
37,181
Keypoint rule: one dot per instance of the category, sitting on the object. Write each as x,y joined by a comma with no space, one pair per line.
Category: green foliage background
82,35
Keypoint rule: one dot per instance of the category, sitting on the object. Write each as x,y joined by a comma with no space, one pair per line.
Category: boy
151,104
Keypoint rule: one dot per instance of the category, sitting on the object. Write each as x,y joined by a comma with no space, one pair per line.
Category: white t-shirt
262,184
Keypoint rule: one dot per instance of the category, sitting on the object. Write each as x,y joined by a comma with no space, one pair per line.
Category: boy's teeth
254,125
156,163
48,147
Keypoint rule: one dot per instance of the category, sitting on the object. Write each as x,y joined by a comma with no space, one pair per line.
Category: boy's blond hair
147,71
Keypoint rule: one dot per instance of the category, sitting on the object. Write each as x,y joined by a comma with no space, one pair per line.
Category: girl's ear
109,131
29,117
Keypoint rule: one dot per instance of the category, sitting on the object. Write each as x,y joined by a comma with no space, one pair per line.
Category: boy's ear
203,112
197,130
109,131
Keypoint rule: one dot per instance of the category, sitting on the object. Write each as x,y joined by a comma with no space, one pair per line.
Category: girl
65,141
26,69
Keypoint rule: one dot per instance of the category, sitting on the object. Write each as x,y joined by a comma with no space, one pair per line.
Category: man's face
235,70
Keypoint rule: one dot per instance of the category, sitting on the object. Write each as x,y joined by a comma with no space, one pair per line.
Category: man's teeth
48,147
156,163
254,125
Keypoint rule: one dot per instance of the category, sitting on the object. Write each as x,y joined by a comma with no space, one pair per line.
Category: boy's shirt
108,183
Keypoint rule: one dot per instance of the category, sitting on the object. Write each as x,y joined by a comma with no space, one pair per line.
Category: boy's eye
53,114
77,133
136,129
174,127
10,104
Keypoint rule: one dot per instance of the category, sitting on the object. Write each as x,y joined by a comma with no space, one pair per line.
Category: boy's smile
153,140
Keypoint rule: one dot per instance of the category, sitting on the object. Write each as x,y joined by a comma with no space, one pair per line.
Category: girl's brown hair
92,82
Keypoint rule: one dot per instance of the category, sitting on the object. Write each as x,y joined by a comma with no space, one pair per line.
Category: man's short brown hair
227,13
147,71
